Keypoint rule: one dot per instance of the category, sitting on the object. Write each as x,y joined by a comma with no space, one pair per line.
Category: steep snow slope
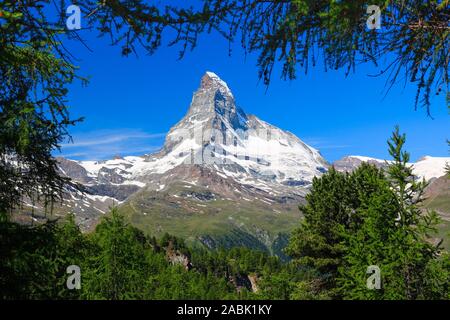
431,167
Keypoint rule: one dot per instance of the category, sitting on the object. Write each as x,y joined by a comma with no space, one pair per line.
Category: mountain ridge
426,167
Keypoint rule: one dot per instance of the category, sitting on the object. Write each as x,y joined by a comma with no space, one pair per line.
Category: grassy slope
226,222
438,199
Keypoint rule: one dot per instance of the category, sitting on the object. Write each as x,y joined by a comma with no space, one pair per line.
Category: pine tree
394,235
118,266
333,209
371,217
316,241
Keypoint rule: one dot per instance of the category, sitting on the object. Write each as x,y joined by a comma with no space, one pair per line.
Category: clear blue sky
130,103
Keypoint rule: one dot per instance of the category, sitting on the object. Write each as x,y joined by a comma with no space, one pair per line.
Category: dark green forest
118,261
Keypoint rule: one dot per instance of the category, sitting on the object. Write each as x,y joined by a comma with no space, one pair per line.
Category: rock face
176,257
437,196
350,163
254,282
74,170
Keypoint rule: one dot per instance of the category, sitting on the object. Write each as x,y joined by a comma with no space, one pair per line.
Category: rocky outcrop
242,281
350,163
74,170
437,196
253,282
177,258
118,192
112,175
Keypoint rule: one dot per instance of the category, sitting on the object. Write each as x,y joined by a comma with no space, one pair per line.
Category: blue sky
130,103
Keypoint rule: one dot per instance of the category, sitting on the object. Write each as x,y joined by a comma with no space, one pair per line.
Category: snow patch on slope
427,167
431,167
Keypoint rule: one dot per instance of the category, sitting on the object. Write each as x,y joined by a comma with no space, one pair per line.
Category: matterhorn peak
213,102
210,80
216,128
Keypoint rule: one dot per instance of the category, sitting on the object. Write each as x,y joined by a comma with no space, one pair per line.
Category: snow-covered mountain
217,134
430,167
216,145
426,167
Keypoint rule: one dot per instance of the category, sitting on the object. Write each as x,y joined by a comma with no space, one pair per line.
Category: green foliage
351,221
394,236
437,283
297,34
34,116
34,259
277,286
117,270
333,205
370,217
118,261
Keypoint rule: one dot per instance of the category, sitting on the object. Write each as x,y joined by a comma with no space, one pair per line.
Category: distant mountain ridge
426,167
